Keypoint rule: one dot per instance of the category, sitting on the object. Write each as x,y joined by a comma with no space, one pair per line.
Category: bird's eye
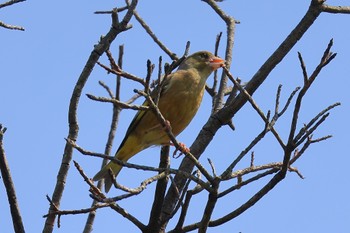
204,55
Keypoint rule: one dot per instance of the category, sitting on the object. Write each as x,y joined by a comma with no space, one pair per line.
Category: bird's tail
104,174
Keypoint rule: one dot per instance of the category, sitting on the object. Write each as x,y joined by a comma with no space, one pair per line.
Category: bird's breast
182,107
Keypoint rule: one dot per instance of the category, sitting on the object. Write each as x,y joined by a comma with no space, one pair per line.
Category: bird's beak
216,62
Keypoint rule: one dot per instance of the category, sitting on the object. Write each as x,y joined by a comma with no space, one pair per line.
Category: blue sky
39,68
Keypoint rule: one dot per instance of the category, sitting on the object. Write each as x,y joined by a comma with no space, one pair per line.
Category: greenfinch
180,98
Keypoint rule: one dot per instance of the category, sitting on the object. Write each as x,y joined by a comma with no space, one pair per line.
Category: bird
180,97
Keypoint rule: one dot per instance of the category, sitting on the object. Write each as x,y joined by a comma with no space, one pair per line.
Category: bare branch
230,26
118,103
128,216
184,210
198,188
212,167
136,166
255,107
279,114
326,58
159,194
165,206
248,181
309,128
154,37
122,73
143,185
293,169
336,9
321,139
227,173
225,115
12,27
113,127
209,208
111,201
212,90
80,211
8,26
98,50
150,68
9,3
109,91
119,9
10,187
87,180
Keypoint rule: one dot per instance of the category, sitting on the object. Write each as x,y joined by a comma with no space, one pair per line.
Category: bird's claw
182,148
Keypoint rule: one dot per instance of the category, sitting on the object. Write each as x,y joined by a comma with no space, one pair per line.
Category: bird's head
205,62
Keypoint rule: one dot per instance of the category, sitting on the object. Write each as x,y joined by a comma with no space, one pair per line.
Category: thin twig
128,216
9,3
230,26
326,58
248,181
119,9
122,73
150,68
255,107
138,167
143,185
212,90
79,211
212,167
12,27
303,67
184,210
154,37
117,102
109,91
288,102
8,26
306,129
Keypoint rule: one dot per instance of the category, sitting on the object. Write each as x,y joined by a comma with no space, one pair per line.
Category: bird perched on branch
180,96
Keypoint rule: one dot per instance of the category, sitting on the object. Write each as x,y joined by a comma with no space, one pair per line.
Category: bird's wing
142,113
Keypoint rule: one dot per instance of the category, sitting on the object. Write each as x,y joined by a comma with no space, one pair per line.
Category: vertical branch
111,135
184,209
213,90
209,208
154,218
230,29
98,50
217,43
10,187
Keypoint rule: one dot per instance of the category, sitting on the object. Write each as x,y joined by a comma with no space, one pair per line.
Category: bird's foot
183,150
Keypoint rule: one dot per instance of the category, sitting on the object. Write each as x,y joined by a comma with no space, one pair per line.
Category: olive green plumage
180,98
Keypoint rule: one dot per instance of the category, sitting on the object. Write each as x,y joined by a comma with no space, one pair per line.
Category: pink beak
216,62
